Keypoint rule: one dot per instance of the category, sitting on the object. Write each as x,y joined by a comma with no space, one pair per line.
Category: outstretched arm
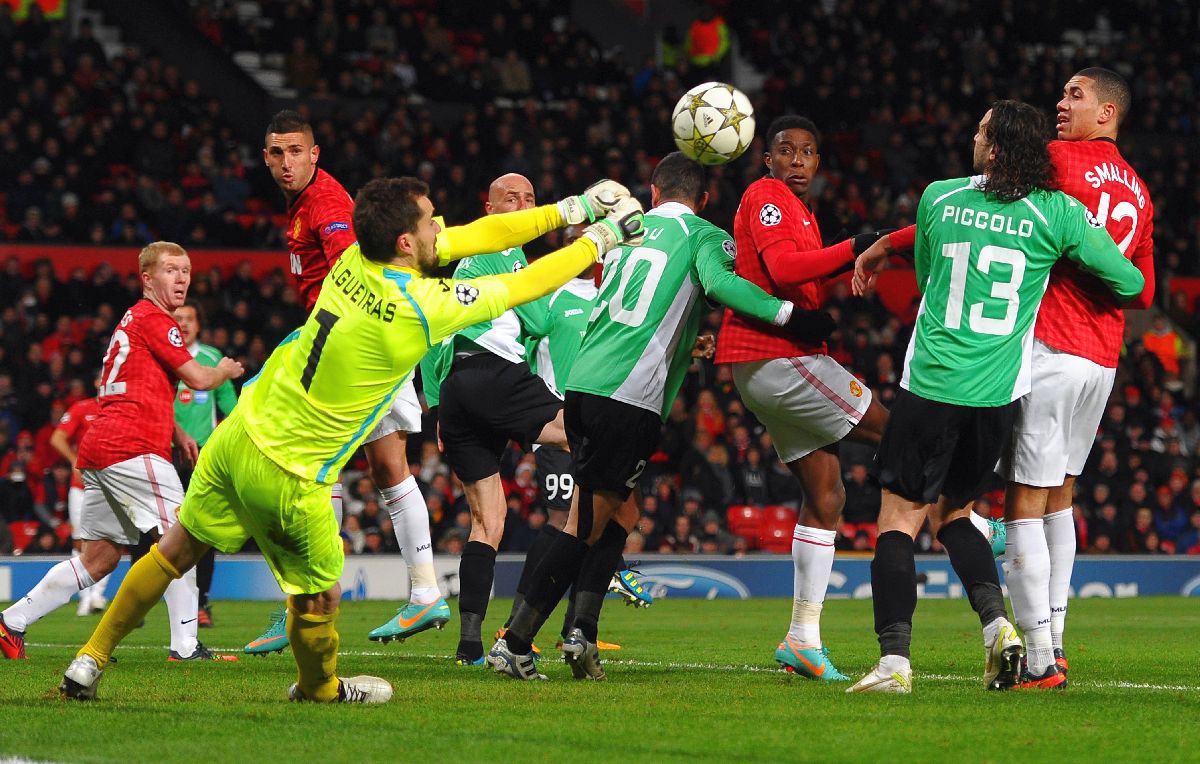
493,233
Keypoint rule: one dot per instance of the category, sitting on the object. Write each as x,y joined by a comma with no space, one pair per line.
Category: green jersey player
635,352
488,396
984,249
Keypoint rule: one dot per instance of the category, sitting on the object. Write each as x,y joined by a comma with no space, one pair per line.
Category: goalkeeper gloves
597,202
811,327
624,224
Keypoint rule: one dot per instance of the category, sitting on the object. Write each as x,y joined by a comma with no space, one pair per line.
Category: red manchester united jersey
1078,314
75,424
319,229
769,212
137,393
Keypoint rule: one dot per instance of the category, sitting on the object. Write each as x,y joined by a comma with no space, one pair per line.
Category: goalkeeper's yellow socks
314,644
142,588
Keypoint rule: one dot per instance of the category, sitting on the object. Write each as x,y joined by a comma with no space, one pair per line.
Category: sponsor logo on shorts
856,389
770,215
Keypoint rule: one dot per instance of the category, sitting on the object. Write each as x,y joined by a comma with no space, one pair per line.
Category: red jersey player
1079,334
65,440
806,400
130,485
1078,339
319,229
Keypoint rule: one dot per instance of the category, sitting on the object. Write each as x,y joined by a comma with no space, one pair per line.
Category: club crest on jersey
770,215
336,226
297,228
730,248
174,337
856,389
466,294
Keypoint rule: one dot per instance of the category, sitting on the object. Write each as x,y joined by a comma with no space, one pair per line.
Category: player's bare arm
199,377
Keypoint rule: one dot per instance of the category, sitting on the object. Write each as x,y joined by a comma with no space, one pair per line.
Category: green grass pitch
694,681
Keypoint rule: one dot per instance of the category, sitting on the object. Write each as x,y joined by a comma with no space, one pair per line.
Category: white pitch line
691,666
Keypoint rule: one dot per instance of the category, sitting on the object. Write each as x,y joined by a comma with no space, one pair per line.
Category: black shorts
932,449
556,483
610,441
487,401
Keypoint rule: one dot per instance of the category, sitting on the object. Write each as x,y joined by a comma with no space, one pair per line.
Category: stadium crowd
123,151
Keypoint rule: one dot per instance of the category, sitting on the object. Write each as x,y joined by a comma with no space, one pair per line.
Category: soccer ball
713,123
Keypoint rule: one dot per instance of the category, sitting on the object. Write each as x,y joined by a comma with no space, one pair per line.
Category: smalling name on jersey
361,295
1109,172
987,221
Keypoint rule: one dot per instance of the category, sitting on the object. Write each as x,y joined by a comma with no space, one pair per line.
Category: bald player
490,396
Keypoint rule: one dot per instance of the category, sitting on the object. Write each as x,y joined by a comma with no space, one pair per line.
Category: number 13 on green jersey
982,266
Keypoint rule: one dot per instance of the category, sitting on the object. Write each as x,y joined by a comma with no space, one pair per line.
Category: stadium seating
745,520
23,534
778,523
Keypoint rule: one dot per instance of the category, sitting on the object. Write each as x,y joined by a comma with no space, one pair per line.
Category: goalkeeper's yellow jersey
328,383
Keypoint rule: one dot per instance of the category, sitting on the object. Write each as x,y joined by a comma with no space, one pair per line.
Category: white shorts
805,403
74,509
404,415
1057,421
126,499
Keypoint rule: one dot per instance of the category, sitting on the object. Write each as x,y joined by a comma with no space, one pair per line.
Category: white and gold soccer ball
713,123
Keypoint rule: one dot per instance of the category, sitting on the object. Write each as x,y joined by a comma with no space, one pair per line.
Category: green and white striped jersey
505,336
568,311
641,331
982,267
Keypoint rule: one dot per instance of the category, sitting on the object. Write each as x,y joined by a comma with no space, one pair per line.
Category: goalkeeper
267,470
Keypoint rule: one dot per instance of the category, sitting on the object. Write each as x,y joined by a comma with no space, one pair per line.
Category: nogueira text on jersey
362,296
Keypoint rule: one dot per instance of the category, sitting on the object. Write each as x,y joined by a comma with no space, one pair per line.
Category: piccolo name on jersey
987,221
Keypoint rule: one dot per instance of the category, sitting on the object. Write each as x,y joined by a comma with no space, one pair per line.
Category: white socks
183,604
410,522
1027,570
1060,539
812,554
54,590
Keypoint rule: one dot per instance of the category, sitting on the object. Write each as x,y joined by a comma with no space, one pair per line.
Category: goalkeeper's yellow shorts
236,493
